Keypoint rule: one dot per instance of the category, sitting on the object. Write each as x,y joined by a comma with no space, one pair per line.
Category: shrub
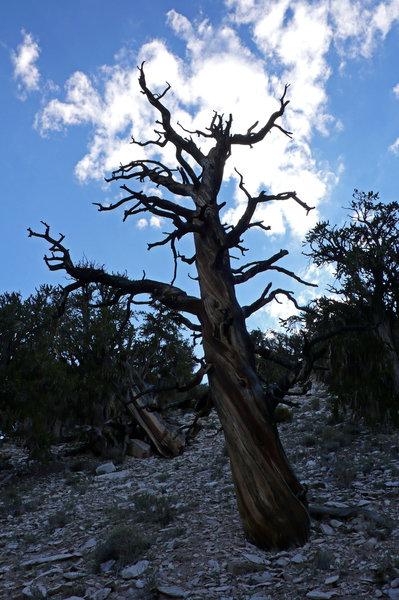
125,544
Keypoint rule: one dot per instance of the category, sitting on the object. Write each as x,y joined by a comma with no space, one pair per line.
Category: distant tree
162,354
364,366
282,359
271,501
97,340
58,371
35,387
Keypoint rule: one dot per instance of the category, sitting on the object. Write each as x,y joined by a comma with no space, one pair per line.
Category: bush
154,509
125,544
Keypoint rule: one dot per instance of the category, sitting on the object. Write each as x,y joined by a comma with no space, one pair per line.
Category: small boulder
108,467
135,570
138,449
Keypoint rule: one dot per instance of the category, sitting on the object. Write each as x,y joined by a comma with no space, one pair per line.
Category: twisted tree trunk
270,499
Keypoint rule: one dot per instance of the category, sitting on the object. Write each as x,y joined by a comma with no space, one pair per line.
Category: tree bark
271,501
385,332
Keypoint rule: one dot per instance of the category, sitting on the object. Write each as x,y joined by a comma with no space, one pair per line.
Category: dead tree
271,500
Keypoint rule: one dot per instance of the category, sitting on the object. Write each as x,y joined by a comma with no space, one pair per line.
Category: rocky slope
156,528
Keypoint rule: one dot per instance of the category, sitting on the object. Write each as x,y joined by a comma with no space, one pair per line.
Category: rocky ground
156,528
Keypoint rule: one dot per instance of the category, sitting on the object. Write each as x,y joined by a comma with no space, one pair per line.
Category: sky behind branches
70,104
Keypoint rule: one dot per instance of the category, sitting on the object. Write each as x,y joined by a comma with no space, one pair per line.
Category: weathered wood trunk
385,332
270,499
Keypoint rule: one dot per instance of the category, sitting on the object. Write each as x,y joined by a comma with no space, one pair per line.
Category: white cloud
142,223
291,41
395,147
25,69
155,222
280,308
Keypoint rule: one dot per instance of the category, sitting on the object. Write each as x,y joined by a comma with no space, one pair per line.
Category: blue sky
70,103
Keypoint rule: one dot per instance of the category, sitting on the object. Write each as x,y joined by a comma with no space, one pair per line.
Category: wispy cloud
24,60
395,146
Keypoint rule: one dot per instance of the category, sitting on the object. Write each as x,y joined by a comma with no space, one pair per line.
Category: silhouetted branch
251,269
170,134
167,294
265,298
252,137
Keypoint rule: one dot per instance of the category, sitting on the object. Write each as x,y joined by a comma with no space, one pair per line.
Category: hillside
157,528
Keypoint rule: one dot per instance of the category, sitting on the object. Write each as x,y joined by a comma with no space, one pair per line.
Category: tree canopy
364,252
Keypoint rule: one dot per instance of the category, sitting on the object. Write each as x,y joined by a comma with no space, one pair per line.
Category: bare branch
285,196
157,142
292,275
244,223
252,137
156,172
185,387
171,135
265,299
251,269
268,354
181,320
167,294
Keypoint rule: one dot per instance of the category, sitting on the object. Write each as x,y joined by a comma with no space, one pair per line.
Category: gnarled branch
252,137
169,295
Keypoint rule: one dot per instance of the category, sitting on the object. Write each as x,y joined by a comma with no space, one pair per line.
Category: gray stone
135,570
39,560
393,593
239,567
89,544
254,558
298,558
108,467
35,591
101,594
73,575
319,595
106,567
214,565
114,476
140,584
138,449
262,578
331,580
395,583
326,529
172,591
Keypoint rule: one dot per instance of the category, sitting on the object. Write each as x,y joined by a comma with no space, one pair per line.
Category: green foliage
167,355
125,544
282,414
35,387
283,349
154,509
57,372
60,519
363,362
360,378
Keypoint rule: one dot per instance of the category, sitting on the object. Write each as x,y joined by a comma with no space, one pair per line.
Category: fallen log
332,512
167,443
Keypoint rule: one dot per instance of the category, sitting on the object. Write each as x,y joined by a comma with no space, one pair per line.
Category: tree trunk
386,334
270,499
